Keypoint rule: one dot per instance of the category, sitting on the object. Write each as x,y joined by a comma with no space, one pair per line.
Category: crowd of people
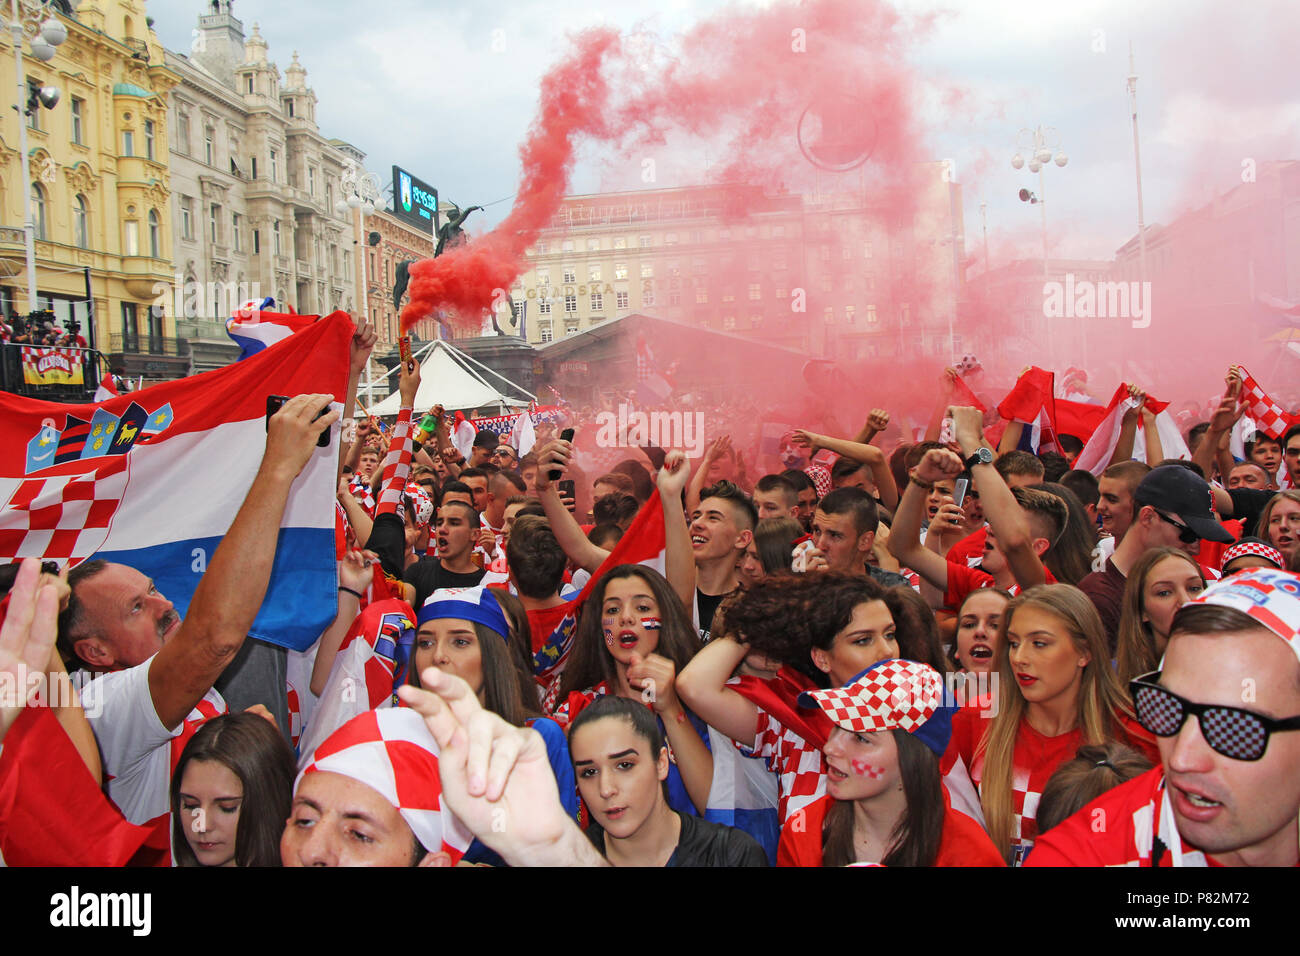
948,651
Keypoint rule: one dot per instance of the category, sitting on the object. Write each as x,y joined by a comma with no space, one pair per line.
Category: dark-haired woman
465,632
884,798
634,638
230,793
824,628
622,766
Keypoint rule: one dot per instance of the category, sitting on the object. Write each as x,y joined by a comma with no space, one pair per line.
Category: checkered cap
1253,546
393,753
821,479
890,694
423,503
1269,596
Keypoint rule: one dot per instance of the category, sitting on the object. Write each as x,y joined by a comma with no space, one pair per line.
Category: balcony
304,267
148,345
153,357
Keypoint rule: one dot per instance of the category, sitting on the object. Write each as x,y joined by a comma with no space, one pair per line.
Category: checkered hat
393,752
423,504
821,479
890,694
1256,547
1270,597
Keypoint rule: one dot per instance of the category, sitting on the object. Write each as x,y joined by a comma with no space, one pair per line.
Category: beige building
254,186
820,274
97,172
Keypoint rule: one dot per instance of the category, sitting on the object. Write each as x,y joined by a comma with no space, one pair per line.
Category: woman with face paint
884,798
633,639
465,632
622,766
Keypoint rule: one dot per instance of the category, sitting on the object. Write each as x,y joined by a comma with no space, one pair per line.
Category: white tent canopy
448,376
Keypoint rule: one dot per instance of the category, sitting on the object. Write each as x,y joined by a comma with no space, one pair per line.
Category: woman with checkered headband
885,803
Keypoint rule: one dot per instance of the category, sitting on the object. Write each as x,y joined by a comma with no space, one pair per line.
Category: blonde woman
1057,692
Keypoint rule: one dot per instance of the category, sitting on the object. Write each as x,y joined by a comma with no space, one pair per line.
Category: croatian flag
651,386
254,328
153,479
1097,453
1032,402
462,435
522,435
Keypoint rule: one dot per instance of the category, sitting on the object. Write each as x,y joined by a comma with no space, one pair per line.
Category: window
620,242
541,248
674,297
183,132
39,210
755,292
209,147
729,294
566,245
155,329
597,302
620,270
149,140
647,270
214,223
670,239
187,217
34,116
570,328
275,166
132,230
291,108
827,284
544,306
155,235
78,111
329,194
782,293
866,249
593,273
128,142
570,275
254,162
593,245
311,181
850,314
755,321
643,242
81,222
248,83
547,334
846,253
570,303
544,277
728,322
871,315
648,296
701,296
235,230
620,300
257,242
275,235
130,331
829,314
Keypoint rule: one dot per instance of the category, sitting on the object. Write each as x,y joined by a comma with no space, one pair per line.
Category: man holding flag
156,670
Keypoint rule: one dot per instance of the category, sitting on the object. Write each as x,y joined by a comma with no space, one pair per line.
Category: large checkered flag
1270,417
63,518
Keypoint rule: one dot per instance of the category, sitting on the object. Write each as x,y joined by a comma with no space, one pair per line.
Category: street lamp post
360,194
33,20
1041,142
1137,162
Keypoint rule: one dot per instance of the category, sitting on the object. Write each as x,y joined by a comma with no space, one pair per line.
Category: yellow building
97,170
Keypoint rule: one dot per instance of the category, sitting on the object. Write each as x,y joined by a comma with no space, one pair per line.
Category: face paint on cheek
651,623
864,768
607,628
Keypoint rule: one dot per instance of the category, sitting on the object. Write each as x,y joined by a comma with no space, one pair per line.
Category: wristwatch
982,456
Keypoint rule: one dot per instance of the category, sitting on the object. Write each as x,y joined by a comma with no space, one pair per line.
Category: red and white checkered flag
62,518
1270,417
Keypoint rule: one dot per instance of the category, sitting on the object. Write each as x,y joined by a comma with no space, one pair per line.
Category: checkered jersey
62,518
397,466
1270,417
800,765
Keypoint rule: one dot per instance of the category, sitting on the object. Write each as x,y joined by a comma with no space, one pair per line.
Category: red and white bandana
1269,596
1257,548
393,753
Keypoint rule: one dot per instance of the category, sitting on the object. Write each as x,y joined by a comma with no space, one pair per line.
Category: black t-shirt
428,574
1247,503
708,604
703,843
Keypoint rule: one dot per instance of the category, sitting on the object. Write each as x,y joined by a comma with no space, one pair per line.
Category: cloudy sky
448,90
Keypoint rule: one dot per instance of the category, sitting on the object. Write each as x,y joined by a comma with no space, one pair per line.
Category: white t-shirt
134,744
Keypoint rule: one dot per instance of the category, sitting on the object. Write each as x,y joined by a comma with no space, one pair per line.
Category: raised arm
556,454
718,447
355,575
230,594
702,685
679,559
876,423
1128,427
1006,518
905,533
363,342
869,455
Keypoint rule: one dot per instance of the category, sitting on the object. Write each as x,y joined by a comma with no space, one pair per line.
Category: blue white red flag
253,327
153,479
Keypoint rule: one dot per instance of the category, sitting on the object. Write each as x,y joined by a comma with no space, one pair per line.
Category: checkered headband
906,695
393,752
1253,546
1269,596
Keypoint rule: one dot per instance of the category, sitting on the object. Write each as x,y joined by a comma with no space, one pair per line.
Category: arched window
38,210
81,221
155,238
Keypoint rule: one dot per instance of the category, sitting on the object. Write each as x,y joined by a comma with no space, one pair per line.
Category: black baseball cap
1182,492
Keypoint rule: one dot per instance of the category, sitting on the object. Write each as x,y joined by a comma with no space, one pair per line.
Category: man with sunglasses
1172,507
1225,710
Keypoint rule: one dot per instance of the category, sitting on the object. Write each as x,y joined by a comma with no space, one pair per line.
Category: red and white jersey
1131,825
138,751
800,765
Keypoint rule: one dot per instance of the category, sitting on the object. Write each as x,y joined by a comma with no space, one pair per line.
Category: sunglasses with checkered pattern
1231,731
